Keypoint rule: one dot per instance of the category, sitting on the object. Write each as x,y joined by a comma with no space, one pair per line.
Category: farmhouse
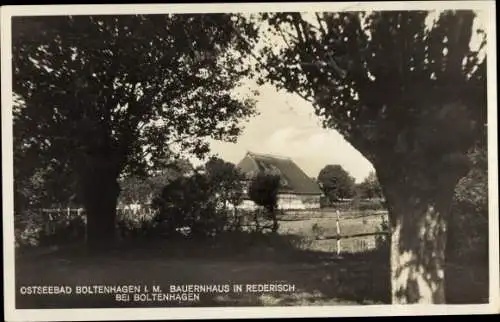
298,191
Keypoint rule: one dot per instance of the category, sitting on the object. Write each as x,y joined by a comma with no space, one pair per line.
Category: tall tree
263,190
336,182
410,94
107,95
226,179
370,187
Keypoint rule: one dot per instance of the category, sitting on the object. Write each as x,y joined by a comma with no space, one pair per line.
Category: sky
287,126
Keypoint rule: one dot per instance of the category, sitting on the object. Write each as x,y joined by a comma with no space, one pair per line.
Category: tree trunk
418,256
418,219
275,226
256,219
100,191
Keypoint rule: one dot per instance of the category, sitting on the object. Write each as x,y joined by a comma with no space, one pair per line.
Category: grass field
323,223
293,256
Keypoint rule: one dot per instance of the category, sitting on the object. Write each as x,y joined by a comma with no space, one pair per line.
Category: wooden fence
339,236
51,218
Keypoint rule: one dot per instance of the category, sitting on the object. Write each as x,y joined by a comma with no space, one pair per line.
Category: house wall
294,201
289,201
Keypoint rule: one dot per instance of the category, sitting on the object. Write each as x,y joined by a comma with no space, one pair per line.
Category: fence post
78,212
338,234
69,212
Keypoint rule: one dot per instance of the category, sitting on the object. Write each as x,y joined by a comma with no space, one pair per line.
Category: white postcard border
12,314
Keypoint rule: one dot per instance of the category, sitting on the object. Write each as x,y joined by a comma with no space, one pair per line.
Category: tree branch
284,38
321,28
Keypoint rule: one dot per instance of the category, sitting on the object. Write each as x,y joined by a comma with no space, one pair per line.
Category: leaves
143,189
263,189
119,89
200,201
336,182
385,80
227,181
370,187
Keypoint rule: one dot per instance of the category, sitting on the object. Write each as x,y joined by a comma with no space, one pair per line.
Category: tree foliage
409,93
370,187
469,223
142,189
128,85
468,235
199,201
100,96
263,190
185,203
226,179
336,182
343,62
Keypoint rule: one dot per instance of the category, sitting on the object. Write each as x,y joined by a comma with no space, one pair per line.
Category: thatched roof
293,179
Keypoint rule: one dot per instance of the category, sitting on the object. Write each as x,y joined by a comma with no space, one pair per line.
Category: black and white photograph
249,160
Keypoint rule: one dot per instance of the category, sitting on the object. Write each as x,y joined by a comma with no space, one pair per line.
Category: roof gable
293,179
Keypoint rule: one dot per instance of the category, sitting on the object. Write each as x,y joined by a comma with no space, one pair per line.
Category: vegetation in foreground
293,255
239,252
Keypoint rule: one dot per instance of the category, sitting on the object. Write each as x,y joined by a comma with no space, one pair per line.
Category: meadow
295,255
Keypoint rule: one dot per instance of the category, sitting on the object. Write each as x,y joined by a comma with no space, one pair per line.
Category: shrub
27,229
468,227
336,182
467,246
137,224
34,228
263,190
200,205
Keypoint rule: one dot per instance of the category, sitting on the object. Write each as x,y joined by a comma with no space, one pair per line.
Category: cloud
313,148
286,126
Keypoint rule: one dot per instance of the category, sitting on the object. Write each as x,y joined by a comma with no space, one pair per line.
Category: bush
467,247
263,190
468,228
336,182
195,207
27,229
34,228
137,224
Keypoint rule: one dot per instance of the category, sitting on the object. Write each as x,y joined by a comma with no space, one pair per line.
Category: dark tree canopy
185,202
336,182
100,96
410,94
199,200
365,74
226,179
263,190
126,86
142,190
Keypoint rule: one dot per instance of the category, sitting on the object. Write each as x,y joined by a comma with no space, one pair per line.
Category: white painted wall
288,201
